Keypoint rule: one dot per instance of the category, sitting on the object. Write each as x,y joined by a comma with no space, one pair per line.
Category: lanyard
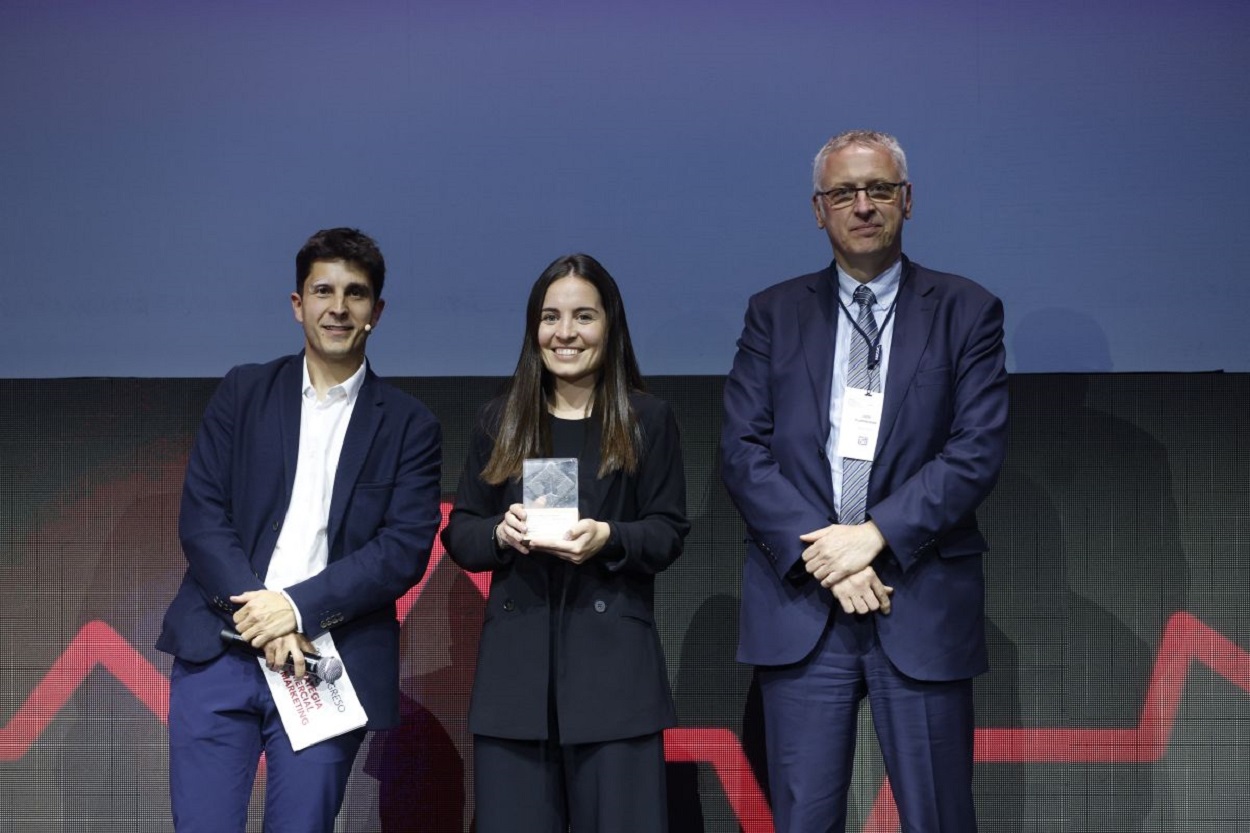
874,344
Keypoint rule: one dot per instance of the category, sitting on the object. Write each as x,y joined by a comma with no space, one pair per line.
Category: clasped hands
840,558
581,543
267,621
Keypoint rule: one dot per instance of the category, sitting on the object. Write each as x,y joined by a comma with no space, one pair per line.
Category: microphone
323,668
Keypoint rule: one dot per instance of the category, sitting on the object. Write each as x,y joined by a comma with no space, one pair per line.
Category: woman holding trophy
573,497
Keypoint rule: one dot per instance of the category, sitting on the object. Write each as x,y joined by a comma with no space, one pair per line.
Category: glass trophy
549,494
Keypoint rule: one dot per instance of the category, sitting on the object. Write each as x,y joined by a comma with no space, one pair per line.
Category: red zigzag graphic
1186,639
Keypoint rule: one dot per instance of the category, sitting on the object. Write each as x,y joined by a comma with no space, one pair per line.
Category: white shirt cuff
299,622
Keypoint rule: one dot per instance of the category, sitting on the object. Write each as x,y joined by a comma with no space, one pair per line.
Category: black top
568,438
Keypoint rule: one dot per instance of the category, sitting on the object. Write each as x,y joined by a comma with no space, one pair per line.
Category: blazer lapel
913,319
290,405
366,418
817,326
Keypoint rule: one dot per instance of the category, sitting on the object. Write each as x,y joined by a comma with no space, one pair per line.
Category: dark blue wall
161,162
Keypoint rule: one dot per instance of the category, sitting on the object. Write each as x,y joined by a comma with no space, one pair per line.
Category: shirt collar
883,286
344,390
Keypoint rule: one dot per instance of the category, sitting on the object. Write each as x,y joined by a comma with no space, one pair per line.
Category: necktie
858,375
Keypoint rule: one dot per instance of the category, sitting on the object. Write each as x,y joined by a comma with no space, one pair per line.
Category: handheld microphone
328,669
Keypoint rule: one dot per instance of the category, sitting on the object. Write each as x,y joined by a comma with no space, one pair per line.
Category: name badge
859,423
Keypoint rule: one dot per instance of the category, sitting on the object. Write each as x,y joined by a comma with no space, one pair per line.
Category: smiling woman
575,307
570,661
570,335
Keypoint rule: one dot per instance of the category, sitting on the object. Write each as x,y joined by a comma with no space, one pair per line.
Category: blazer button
276,525
509,605
600,605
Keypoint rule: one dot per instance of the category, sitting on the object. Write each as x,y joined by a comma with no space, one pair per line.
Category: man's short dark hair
352,246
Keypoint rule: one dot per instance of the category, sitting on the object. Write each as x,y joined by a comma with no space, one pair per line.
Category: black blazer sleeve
652,538
469,536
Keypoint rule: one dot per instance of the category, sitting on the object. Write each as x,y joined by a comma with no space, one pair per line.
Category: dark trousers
221,717
526,786
925,730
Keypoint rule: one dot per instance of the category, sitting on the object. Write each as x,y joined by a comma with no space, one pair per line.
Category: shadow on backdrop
421,765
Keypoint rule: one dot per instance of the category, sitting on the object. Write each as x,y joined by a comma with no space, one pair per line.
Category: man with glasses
865,421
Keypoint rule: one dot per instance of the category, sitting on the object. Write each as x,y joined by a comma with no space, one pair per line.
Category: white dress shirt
885,288
302,550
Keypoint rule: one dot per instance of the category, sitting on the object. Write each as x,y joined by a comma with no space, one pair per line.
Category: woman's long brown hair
522,430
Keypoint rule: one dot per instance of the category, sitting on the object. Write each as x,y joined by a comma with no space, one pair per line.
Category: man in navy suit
862,430
310,505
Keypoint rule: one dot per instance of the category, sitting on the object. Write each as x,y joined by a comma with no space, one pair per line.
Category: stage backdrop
1118,699
162,161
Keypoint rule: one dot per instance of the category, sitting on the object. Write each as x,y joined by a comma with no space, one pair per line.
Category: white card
548,524
311,709
549,494
859,423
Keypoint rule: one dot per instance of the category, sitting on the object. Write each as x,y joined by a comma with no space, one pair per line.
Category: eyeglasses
844,196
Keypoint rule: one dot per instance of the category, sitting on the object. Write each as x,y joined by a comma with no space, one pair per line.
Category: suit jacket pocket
932,376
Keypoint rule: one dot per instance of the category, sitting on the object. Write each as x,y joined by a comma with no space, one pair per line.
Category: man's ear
820,218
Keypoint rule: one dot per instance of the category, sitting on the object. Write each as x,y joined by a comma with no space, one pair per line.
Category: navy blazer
938,455
613,681
384,513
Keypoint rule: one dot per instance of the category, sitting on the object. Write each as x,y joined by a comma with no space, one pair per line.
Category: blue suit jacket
384,513
939,452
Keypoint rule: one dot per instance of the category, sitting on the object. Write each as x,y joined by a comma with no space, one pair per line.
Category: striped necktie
859,375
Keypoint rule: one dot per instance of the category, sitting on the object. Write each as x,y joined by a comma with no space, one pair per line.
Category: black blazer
612,681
